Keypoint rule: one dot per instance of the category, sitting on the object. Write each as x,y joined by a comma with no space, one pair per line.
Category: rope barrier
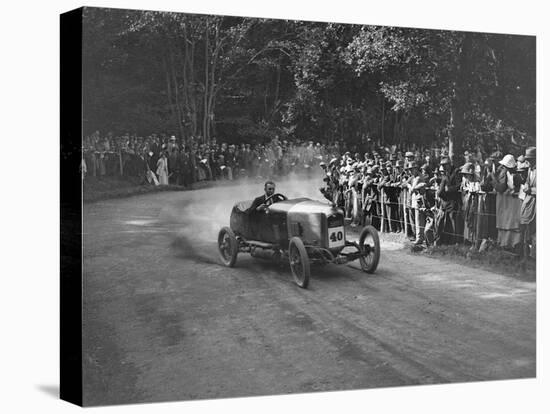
402,215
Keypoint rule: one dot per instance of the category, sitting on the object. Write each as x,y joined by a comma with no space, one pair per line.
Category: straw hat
522,166
467,168
508,161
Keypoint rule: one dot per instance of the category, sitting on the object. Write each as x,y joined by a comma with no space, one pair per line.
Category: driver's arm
258,201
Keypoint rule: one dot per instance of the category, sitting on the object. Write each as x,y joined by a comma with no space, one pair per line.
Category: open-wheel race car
302,231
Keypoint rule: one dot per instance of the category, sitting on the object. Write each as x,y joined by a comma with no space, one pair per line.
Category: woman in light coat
162,169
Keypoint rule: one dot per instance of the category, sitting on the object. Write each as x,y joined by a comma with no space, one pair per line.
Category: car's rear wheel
369,246
228,246
299,262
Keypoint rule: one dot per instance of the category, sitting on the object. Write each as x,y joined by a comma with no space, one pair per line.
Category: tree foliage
241,78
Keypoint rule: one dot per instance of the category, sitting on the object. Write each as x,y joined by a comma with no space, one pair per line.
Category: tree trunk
383,118
277,87
206,84
179,114
189,82
396,127
169,89
458,100
456,131
213,87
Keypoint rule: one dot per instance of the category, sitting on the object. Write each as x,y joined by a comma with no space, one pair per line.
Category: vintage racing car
301,230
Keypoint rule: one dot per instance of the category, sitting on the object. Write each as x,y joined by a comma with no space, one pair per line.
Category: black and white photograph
278,206
278,209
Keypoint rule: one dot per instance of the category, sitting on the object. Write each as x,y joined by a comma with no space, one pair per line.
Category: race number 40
336,237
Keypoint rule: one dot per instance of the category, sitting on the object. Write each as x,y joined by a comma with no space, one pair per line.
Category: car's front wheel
299,262
369,246
228,246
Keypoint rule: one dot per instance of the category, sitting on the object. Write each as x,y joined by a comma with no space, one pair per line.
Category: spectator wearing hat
215,170
528,207
369,195
486,220
505,174
508,205
162,169
231,162
416,188
447,228
522,170
173,164
171,144
393,193
185,167
469,189
398,178
409,230
383,185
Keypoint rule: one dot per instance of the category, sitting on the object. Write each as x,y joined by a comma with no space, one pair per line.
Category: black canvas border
71,382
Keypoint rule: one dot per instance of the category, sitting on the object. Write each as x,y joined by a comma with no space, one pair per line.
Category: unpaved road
163,320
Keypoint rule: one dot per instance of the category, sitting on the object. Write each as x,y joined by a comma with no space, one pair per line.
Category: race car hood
303,205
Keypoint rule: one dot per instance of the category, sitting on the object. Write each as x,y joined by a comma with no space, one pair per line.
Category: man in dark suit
262,202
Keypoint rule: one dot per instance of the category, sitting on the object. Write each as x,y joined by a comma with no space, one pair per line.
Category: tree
446,76
239,78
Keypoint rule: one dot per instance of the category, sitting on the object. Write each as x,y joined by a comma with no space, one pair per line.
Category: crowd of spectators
417,191
162,160
479,201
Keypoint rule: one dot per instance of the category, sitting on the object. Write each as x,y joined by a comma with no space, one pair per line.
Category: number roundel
336,236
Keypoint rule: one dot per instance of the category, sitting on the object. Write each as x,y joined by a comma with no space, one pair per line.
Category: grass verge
494,259
96,189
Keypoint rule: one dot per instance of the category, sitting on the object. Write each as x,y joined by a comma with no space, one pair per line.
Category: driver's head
269,188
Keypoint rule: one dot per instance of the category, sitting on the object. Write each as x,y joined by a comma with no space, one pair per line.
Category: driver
262,202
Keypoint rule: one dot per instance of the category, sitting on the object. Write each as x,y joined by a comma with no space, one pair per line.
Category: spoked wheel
228,246
369,244
299,262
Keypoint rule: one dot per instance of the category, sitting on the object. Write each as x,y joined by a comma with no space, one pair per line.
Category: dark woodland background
245,79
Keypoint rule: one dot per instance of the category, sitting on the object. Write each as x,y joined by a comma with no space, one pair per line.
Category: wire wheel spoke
227,246
368,253
296,263
299,262
369,246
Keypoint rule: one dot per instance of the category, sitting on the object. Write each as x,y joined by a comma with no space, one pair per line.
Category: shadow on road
188,250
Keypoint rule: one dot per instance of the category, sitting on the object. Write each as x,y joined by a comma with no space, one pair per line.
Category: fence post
405,215
479,218
383,206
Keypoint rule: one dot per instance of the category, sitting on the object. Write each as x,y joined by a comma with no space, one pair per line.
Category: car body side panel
300,217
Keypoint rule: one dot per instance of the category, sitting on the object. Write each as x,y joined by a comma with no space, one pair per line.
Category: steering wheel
273,198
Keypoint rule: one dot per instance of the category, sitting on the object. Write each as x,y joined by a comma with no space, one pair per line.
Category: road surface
164,320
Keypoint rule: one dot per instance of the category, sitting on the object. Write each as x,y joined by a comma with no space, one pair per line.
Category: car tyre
299,262
228,246
370,253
